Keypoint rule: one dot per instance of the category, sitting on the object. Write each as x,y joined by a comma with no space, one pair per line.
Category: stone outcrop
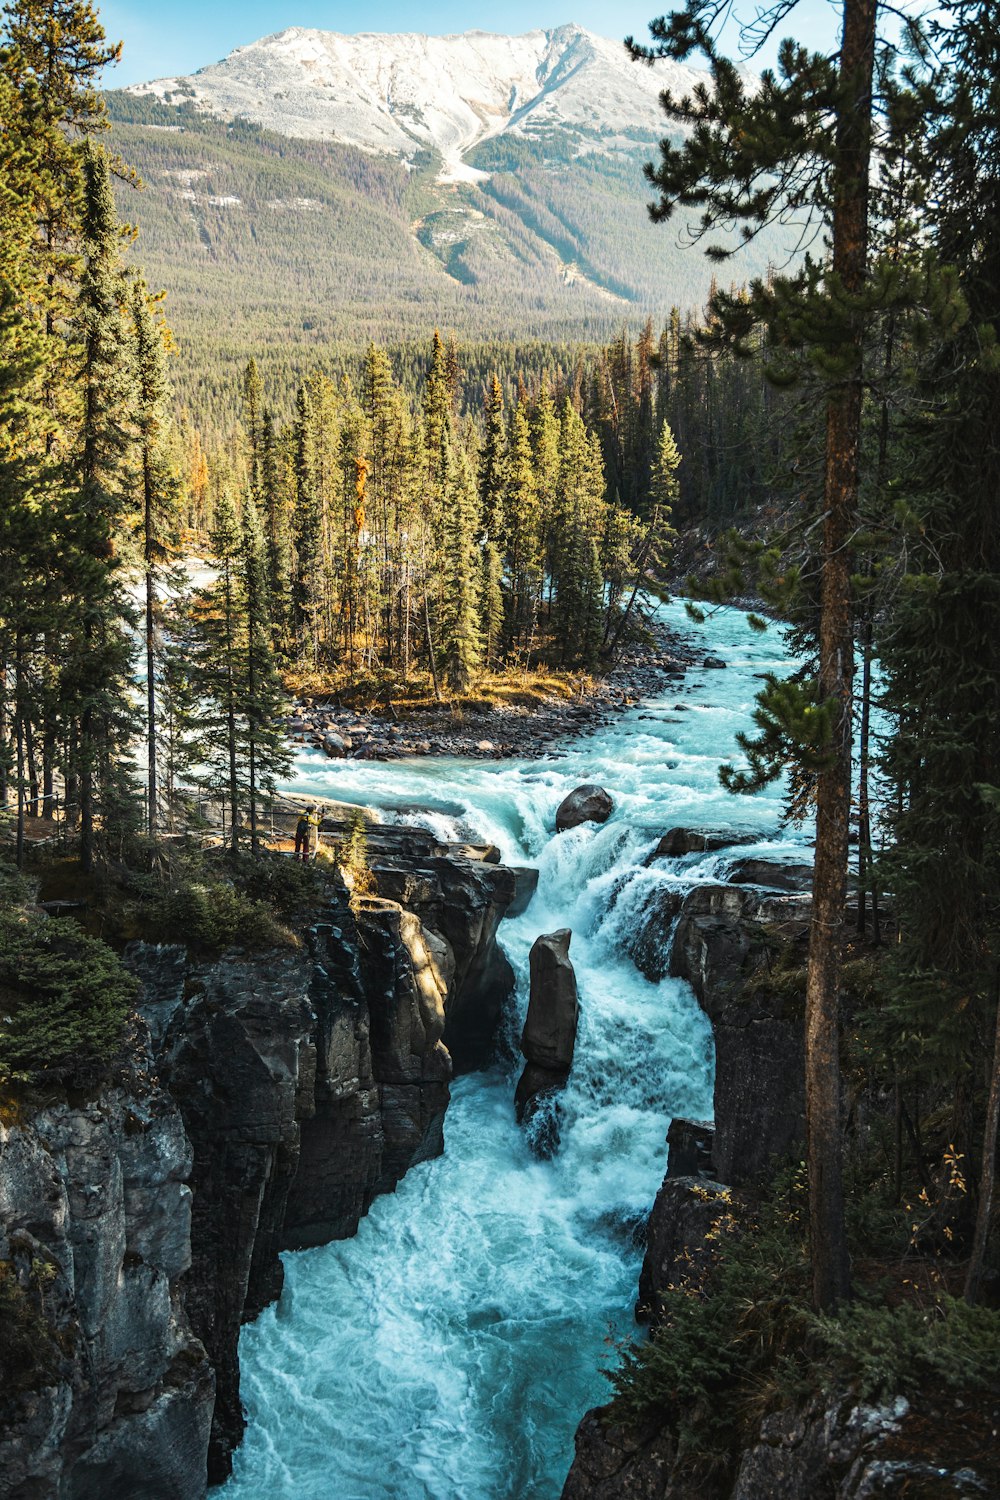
310,1081
796,879
820,1447
95,1209
678,841
461,902
589,803
728,944
273,1095
548,1040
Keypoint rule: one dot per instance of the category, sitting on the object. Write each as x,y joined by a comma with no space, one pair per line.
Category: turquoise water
449,1350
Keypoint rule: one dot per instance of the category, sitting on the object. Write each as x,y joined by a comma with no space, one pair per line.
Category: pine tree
545,446
493,462
253,426
261,698
578,613
275,521
524,533
460,640
159,495
938,642
307,532
213,646
802,141
98,663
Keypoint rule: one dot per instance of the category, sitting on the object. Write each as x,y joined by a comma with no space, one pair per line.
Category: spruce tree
261,698
97,667
524,532
460,640
159,495
939,642
307,532
800,143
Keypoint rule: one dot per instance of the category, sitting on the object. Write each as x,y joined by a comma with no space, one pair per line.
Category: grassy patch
368,691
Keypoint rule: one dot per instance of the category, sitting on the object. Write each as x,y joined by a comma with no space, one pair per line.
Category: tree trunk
866,877
149,522
19,744
987,1184
830,1271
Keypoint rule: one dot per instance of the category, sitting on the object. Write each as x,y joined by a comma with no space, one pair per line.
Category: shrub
64,1002
212,915
29,1352
746,1339
285,885
352,858
884,1350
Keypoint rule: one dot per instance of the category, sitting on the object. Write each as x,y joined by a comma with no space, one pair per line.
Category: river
449,1350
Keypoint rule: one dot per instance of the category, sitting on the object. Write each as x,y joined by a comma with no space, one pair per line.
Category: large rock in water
548,1040
549,1036
589,803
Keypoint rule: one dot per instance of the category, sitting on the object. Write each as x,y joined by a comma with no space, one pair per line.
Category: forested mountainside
269,243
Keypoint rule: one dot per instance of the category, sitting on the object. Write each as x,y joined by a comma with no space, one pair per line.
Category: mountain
312,191
403,94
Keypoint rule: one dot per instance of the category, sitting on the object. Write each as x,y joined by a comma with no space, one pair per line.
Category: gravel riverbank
492,732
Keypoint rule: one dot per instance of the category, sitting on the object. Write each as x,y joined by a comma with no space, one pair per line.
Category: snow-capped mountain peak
403,93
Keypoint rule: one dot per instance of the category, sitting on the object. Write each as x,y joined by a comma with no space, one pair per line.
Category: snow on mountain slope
402,93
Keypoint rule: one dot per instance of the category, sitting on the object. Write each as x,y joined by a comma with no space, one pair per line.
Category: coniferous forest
193,539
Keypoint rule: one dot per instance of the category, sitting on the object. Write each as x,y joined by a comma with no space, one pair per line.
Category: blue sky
167,37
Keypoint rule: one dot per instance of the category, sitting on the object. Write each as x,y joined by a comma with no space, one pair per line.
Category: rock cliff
95,1232
270,1097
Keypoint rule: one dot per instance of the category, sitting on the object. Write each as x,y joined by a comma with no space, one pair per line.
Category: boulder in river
796,879
525,885
678,841
589,803
548,1040
549,1036
714,661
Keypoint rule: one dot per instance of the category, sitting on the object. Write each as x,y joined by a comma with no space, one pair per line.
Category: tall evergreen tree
460,640
524,532
801,142
159,494
261,698
307,531
97,668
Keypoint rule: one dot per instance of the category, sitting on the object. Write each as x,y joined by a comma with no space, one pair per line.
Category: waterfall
449,1350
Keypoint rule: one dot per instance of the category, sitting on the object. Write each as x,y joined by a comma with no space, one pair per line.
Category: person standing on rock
307,834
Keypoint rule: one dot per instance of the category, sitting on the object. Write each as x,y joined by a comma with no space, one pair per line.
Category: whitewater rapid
449,1350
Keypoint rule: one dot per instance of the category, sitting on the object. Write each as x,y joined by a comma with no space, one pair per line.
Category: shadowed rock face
461,903
271,1097
549,1036
824,1445
679,841
586,804
96,1194
311,1081
725,945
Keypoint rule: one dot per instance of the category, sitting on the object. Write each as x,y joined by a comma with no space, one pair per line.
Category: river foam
449,1350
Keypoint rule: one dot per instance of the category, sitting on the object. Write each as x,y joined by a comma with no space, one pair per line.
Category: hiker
307,833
